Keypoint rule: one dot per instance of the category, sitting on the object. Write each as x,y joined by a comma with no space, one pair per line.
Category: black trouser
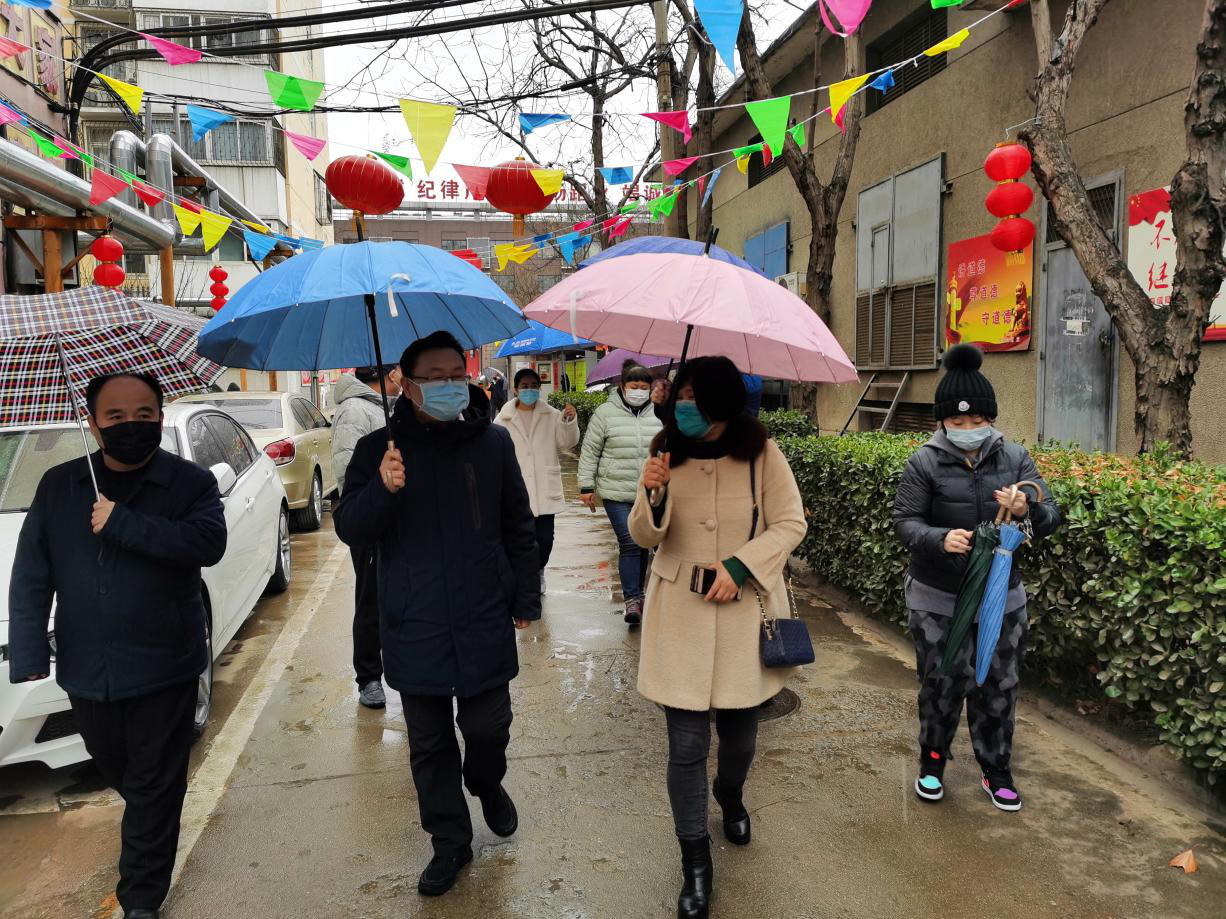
434,755
141,747
689,746
367,659
544,538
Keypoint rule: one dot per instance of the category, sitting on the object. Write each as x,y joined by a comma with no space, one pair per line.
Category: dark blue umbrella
669,244
538,339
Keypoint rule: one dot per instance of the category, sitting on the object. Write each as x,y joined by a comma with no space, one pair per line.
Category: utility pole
664,89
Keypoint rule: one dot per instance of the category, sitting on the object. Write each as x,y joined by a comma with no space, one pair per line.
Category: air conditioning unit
795,282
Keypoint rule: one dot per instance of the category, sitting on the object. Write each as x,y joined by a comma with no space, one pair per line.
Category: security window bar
323,201
912,37
757,173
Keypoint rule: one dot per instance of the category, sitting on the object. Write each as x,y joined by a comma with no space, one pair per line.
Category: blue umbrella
539,338
669,244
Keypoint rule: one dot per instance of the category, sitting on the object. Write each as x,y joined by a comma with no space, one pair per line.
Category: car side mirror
226,477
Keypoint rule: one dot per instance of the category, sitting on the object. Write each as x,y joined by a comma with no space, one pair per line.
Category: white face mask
969,439
637,397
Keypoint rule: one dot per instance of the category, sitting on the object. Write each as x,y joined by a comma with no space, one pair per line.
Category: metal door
1077,391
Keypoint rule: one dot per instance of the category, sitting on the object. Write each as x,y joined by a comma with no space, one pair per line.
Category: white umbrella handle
391,298
76,413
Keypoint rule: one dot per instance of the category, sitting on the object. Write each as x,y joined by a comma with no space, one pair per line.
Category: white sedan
35,718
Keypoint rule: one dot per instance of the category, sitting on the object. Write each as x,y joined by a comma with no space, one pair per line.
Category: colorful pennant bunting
617,175
130,94
571,242
147,193
678,121
189,205
621,228
542,240
188,219
475,179
309,245
174,53
429,125
293,92
33,4
307,145
128,177
10,115
550,180
10,48
850,14
529,122
582,225
941,4
630,208
258,245
103,187
798,135
258,227
204,120
71,151
722,20
770,116
742,165
400,163
676,167
884,83
841,92
748,150
706,196
663,206
213,227
513,252
46,146
954,41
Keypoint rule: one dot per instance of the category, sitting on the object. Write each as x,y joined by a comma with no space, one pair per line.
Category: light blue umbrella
539,339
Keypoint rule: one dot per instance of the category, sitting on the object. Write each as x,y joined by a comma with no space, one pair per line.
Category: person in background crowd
123,570
615,448
498,392
458,574
753,393
962,477
700,647
359,411
540,432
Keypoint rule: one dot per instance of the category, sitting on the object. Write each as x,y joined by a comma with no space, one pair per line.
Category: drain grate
778,706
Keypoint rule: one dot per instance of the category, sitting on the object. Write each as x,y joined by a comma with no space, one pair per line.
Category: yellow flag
188,220
841,92
550,180
429,125
129,93
258,227
742,164
213,228
513,252
954,41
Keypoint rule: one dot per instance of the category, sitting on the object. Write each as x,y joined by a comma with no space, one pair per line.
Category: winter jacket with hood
616,447
359,411
942,489
456,550
538,436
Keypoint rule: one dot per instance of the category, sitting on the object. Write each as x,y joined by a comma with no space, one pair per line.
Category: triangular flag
841,92
306,145
631,207
258,245
941,4
71,151
722,20
771,118
128,177
148,193
46,146
617,175
838,119
541,240
293,92
429,124
954,41
213,227
129,93
676,167
742,164
204,120
767,156
189,205
174,53
188,220
582,225
850,13
569,243
400,163
621,228
663,206
104,186
258,227
884,83
529,123
475,179
512,252
711,186
609,224
798,135
10,115
748,150
550,180
10,48
678,121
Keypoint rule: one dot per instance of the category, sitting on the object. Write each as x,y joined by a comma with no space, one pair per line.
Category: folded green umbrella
970,591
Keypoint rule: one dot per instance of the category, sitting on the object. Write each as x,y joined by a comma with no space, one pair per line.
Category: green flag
939,4
46,146
400,163
771,118
293,92
629,208
747,151
798,135
127,175
663,206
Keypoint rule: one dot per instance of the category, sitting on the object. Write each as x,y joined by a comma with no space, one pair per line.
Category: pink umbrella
680,305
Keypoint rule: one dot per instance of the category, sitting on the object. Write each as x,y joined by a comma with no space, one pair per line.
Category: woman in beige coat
540,432
700,650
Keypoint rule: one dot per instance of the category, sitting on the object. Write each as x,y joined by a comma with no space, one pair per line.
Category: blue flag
309,244
542,240
529,123
258,244
884,83
617,175
570,242
33,4
722,20
204,120
710,186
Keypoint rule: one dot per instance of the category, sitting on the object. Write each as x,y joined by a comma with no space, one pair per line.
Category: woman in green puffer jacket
615,448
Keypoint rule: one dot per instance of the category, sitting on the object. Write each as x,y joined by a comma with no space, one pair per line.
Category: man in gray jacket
359,412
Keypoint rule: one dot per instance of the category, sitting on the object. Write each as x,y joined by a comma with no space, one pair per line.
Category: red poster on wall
988,296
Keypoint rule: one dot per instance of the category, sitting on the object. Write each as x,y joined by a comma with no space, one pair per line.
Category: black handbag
784,642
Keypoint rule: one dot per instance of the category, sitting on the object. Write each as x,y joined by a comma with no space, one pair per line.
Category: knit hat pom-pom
963,357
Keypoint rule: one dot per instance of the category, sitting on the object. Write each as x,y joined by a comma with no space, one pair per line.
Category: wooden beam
166,260
44,222
73,264
53,279
189,182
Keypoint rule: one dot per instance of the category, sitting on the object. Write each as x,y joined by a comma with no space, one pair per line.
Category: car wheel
311,516
279,582
204,688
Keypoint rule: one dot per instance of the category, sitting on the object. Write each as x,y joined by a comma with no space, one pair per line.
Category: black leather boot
697,874
736,819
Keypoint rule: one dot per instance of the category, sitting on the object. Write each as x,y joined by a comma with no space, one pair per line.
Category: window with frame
768,251
216,44
919,31
243,141
323,201
231,248
757,173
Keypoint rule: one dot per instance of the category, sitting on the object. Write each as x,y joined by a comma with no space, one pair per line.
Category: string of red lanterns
1010,198
109,252
219,289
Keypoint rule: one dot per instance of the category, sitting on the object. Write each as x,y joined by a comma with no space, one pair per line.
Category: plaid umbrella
100,331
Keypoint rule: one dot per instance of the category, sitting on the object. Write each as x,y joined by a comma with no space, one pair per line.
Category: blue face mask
529,396
969,440
444,400
691,422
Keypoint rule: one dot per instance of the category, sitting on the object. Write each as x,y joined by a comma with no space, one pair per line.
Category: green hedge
584,402
787,423
1129,595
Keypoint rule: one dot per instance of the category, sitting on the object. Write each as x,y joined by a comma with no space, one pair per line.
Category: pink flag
476,178
9,116
104,187
702,186
189,205
305,144
10,48
582,225
67,150
621,228
676,167
607,225
174,53
679,121
850,14
838,119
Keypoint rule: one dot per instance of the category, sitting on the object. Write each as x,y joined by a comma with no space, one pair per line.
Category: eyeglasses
420,380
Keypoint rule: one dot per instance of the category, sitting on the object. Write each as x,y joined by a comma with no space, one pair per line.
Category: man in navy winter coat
448,511
123,568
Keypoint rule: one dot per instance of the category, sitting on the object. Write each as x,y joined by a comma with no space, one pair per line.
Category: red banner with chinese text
988,296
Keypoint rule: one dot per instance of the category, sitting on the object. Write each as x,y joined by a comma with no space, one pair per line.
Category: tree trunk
705,99
600,196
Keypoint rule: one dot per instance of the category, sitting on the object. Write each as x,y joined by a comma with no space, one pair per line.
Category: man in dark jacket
123,569
448,512
498,393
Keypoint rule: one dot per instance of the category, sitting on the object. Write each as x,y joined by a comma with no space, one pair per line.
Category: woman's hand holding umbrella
656,473
391,470
1014,500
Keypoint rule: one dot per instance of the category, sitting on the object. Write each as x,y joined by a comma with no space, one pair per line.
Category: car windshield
26,455
250,413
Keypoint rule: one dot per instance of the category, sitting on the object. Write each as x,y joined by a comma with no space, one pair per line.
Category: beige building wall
1125,116
308,216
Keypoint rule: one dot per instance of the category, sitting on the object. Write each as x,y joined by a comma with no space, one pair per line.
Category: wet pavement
302,804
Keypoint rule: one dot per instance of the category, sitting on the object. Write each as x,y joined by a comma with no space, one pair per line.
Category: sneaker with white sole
998,785
372,695
930,786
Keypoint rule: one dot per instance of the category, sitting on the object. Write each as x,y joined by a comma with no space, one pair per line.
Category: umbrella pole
76,412
712,235
359,227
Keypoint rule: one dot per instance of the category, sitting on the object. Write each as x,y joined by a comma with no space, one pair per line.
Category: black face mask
131,442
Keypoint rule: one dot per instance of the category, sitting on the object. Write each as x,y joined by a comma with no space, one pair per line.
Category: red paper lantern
1009,199
514,190
217,273
1013,234
218,303
364,184
1007,162
106,249
108,274
219,290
